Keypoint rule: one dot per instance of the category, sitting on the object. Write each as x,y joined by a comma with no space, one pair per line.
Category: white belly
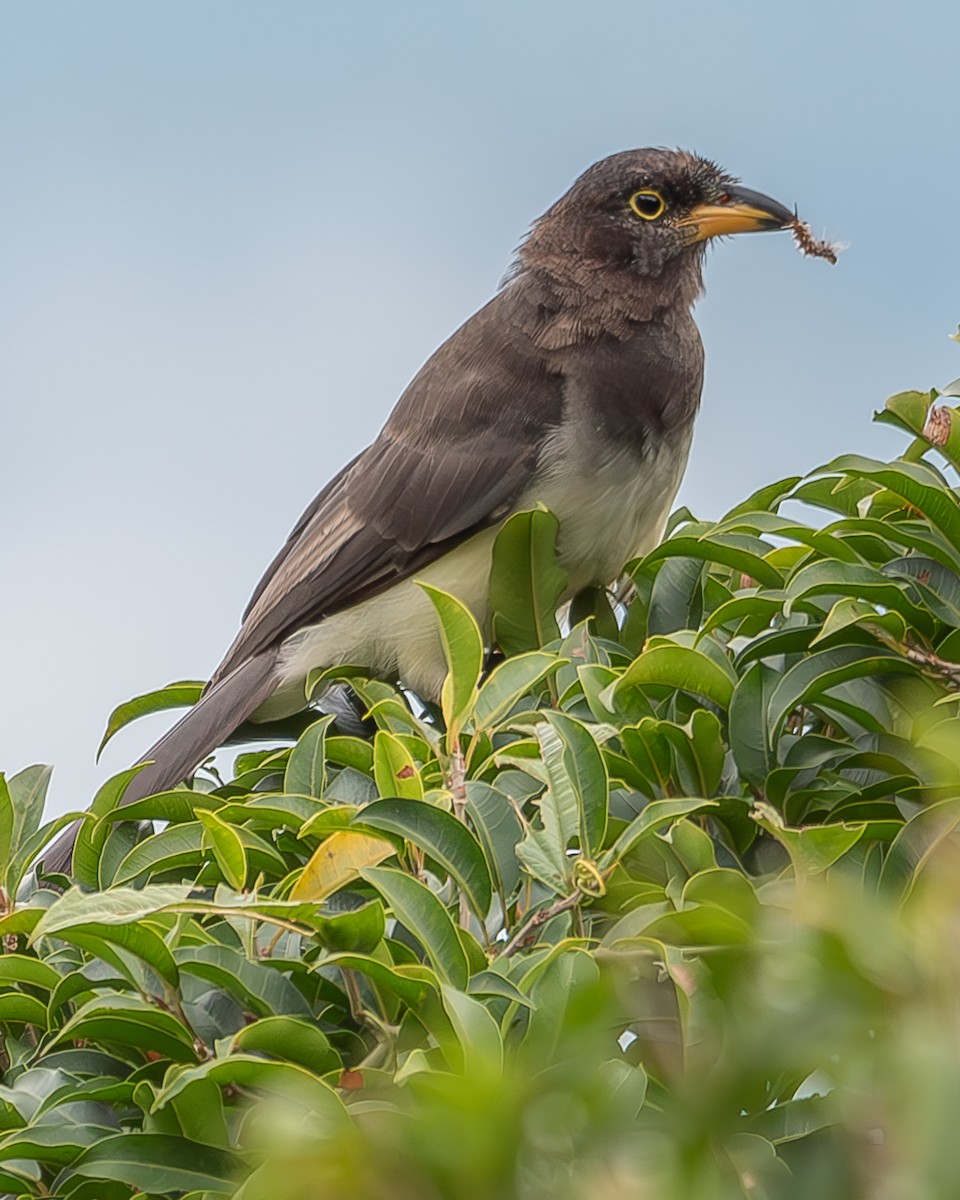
611,507
610,511
394,633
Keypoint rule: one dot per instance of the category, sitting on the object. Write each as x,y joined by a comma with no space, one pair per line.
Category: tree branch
521,938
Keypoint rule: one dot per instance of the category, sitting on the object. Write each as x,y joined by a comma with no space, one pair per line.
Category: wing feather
459,449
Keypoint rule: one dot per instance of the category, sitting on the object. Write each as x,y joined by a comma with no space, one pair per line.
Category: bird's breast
612,501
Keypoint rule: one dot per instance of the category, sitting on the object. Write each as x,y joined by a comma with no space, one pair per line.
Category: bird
574,388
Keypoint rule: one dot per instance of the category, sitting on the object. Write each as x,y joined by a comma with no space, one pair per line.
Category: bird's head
637,224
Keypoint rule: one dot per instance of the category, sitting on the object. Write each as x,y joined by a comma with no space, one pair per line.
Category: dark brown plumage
576,387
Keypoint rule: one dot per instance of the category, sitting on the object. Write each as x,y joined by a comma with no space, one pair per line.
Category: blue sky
231,231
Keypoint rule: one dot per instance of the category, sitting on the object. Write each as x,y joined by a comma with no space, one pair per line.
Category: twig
457,782
521,939
352,988
926,660
929,661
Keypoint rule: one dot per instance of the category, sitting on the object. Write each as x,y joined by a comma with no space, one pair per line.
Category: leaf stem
522,938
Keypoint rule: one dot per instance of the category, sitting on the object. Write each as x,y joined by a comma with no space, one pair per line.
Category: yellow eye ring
648,204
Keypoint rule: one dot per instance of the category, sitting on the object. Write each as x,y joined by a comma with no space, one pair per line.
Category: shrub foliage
661,902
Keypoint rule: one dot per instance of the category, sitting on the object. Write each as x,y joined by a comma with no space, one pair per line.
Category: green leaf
443,837
917,483
499,830
58,1144
358,930
848,612
118,906
290,1039
477,1032
814,849
526,582
21,968
306,772
200,1114
675,598
417,908
815,674
92,835
508,683
937,585
175,695
561,986
350,752
409,983
794,1120
830,577
678,666
463,650
139,938
179,847
32,847
739,551
653,817
160,1163
582,763
545,860
592,605
835,493
699,752
227,847
916,845
120,1019
7,821
18,1007
394,769
906,411
748,733
559,804
756,608
274,810
27,790
257,988
767,499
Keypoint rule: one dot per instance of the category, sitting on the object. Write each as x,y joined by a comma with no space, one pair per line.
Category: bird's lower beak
739,210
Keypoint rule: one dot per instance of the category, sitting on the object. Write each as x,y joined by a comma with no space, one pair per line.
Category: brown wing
457,452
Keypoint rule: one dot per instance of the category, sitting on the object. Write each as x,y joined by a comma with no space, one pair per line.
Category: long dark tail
198,733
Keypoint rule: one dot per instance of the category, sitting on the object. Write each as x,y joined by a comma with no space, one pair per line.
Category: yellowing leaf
394,769
337,861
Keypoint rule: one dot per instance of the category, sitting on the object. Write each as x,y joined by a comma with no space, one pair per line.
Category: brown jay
575,387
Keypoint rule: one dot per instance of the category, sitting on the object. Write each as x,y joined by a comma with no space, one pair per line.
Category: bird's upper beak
739,210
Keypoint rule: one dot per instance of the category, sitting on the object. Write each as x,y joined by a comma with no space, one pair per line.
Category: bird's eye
647,204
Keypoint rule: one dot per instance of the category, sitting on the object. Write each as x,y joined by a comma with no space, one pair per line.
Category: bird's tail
198,733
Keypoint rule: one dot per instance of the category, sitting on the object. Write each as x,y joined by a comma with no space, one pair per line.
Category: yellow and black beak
738,210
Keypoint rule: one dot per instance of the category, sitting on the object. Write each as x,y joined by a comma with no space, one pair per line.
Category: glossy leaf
526,582
158,1162
418,908
181,694
444,838
508,683
463,650
678,666
228,848
581,763
394,769
306,772
653,817
339,860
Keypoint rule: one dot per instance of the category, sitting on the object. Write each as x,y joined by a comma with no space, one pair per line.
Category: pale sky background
231,231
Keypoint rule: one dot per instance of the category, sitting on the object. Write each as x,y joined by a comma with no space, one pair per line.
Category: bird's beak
739,210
